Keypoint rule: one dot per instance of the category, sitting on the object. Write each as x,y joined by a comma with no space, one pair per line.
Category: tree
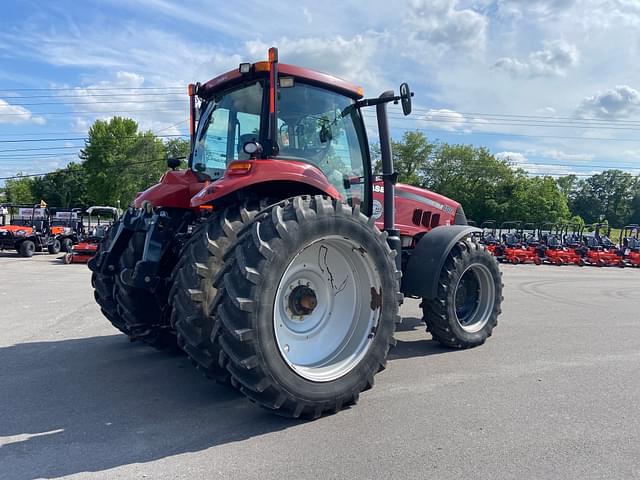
66,187
19,190
119,161
177,148
411,157
483,184
607,195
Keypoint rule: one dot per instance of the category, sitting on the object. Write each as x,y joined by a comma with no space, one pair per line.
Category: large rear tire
309,307
146,314
466,309
192,292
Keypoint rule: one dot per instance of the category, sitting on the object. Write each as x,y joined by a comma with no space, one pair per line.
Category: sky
553,85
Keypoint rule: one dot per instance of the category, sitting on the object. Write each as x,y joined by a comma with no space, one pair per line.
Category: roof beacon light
244,68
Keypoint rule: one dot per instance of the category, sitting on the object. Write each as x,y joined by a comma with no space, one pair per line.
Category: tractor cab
312,121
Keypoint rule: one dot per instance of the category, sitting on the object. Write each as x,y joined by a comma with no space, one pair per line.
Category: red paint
406,206
334,83
175,189
266,171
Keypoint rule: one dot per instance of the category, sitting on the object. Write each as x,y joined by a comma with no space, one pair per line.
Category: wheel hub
302,301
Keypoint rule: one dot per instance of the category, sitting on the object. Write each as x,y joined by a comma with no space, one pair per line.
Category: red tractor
265,259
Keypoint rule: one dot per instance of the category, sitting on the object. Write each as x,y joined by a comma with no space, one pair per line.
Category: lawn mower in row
96,221
630,245
278,260
515,245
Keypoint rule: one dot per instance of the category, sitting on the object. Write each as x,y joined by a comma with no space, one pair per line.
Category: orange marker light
239,168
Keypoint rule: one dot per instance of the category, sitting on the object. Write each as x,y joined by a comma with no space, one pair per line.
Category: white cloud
540,8
553,60
443,25
514,157
350,58
14,114
443,119
619,102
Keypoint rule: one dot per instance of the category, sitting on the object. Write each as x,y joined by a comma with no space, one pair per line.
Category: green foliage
608,195
65,188
119,161
19,190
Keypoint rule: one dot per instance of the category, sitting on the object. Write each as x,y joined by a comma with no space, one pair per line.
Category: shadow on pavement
91,404
96,403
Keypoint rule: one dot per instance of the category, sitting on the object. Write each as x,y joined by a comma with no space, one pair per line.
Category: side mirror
405,98
173,163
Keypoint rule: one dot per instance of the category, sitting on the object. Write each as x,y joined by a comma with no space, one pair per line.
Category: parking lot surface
553,394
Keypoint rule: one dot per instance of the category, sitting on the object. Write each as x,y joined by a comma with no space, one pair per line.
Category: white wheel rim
474,298
323,318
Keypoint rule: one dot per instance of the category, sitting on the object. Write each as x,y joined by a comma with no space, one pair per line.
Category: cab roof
325,80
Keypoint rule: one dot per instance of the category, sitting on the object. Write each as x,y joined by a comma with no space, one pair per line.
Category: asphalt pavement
554,394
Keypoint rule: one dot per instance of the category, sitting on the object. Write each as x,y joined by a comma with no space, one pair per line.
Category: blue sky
551,84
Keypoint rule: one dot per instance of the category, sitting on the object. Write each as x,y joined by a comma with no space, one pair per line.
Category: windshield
315,125
227,122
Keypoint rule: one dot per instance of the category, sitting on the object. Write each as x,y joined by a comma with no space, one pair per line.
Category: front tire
466,308
309,307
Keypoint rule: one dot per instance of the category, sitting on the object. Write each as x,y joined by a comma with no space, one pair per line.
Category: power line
126,102
62,89
90,112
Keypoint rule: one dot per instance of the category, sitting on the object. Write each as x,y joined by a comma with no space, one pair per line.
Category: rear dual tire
145,313
274,305
192,290
292,342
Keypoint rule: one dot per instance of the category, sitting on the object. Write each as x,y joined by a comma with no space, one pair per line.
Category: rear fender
265,172
425,262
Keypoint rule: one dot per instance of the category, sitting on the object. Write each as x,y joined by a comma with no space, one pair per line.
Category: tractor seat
553,242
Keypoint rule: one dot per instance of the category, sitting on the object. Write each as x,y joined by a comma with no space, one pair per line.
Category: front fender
421,274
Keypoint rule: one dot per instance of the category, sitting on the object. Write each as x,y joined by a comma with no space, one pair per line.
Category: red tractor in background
278,260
